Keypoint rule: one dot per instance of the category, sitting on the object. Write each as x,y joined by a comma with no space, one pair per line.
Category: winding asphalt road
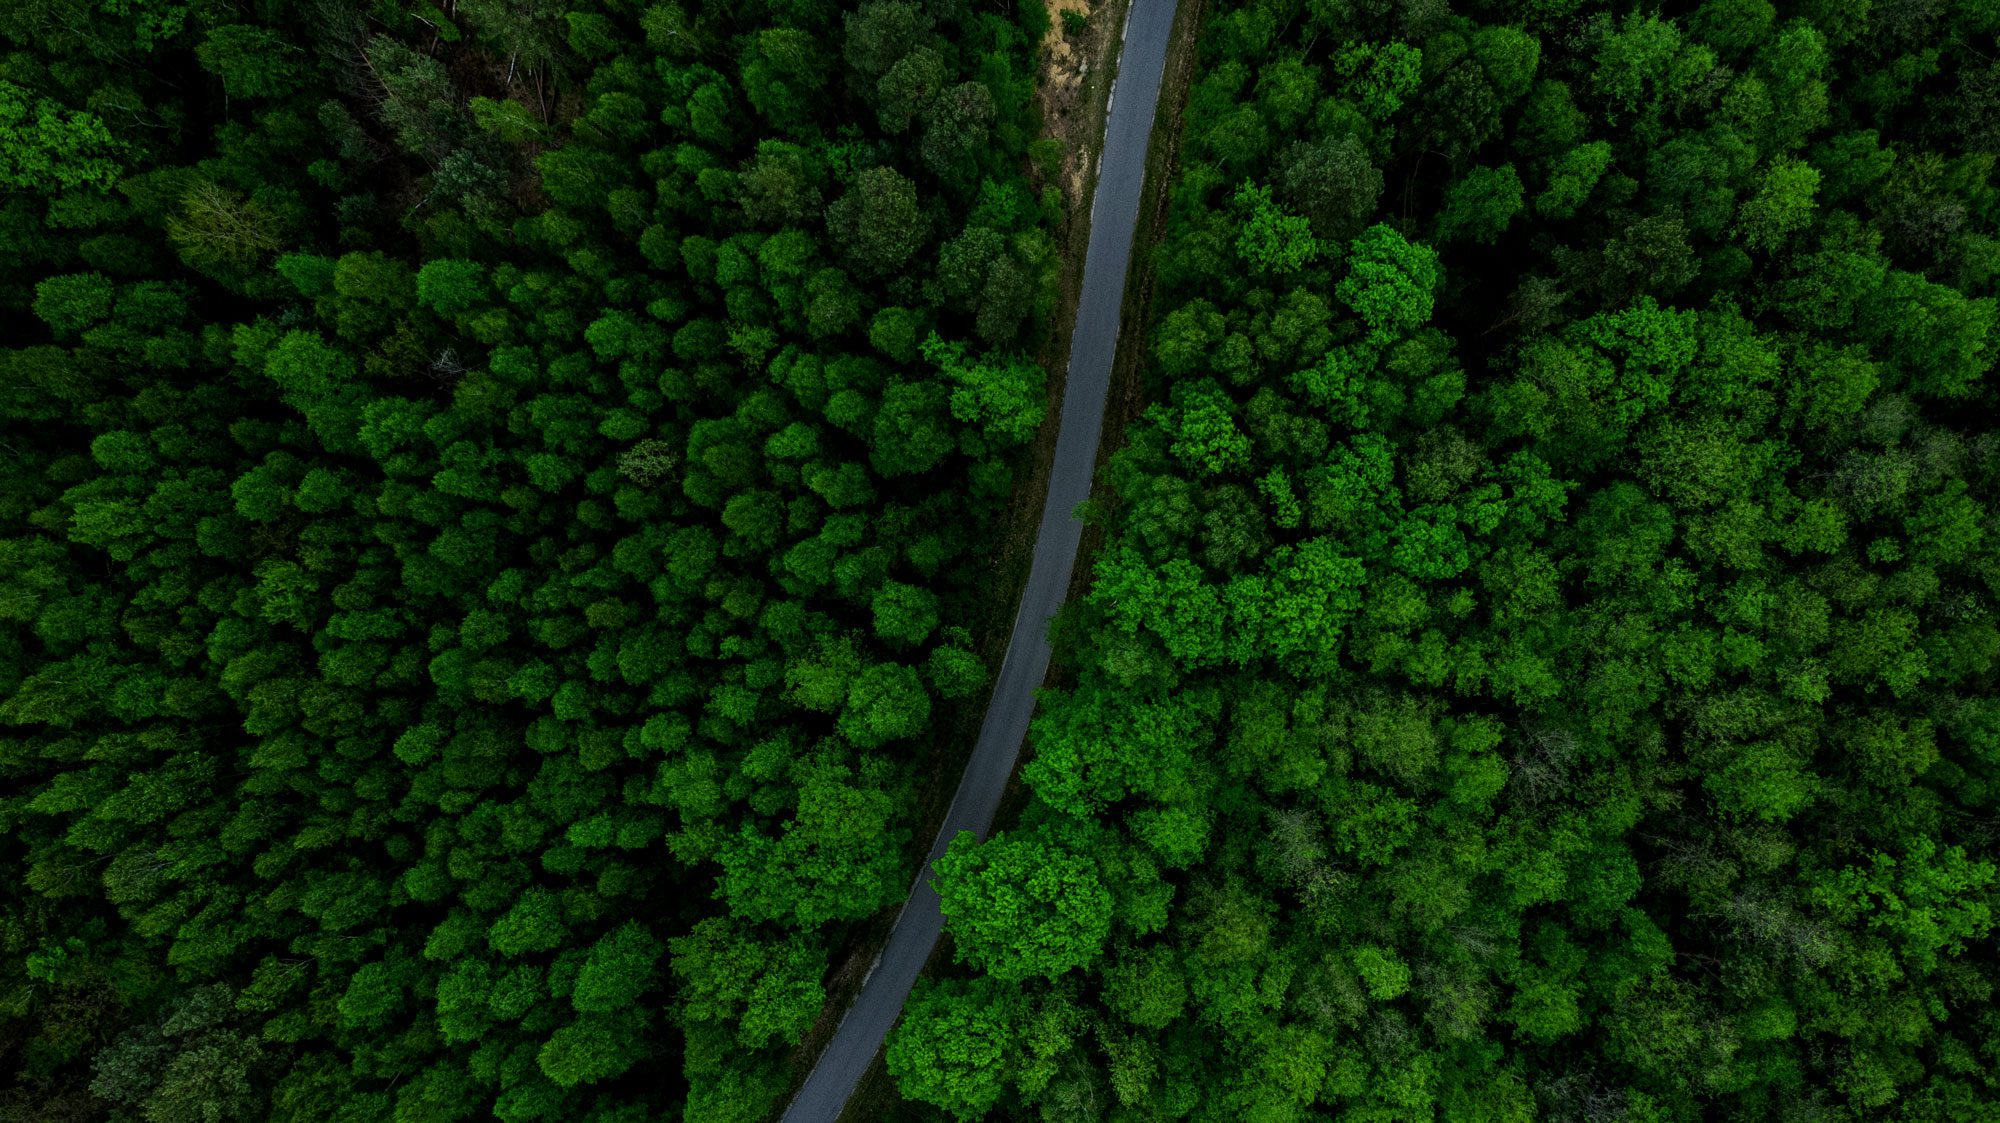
1114,216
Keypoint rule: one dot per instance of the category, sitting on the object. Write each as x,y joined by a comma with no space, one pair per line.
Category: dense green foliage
492,507
1542,664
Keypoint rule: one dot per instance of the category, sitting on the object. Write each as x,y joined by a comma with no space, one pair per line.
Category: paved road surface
1114,216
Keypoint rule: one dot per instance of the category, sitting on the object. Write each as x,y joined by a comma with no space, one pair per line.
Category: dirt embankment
1072,102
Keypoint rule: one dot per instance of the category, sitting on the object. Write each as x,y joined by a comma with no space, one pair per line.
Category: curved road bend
1114,216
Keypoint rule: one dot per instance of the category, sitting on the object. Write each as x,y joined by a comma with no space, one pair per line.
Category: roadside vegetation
1542,662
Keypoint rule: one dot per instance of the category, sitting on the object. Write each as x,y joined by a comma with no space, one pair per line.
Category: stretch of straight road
1114,217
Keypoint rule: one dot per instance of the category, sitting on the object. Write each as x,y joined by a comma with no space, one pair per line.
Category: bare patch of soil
1075,78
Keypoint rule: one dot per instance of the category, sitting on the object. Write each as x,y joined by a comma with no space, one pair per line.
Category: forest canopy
1542,659
500,505
492,519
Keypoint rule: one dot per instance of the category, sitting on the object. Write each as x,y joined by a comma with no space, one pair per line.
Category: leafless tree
1541,768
